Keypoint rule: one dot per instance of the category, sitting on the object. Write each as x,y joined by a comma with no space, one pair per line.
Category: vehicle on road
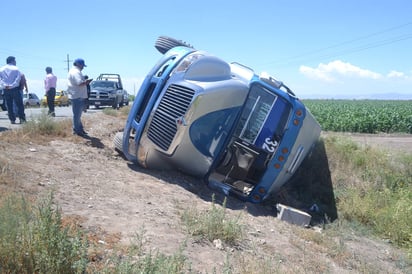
61,99
244,134
107,90
30,100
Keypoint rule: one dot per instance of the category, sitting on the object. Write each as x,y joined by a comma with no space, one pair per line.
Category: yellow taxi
61,99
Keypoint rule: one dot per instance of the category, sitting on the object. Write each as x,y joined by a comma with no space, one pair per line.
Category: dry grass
40,130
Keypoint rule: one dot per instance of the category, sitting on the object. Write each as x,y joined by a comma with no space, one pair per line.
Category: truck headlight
187,61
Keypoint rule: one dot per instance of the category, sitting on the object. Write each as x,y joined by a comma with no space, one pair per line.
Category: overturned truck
243,134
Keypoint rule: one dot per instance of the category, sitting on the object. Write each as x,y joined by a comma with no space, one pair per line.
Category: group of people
13,82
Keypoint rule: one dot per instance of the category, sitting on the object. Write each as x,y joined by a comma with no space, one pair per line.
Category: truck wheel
118,142
164,43
115,104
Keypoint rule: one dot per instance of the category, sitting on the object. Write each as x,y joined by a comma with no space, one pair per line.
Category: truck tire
115,104
165,43
118,142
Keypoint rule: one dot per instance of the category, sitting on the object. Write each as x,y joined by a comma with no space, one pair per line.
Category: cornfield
363,116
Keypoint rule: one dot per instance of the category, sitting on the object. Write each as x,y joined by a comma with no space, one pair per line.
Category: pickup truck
244,134
107,90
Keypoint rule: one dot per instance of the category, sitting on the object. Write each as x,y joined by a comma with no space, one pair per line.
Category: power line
379,43
371,45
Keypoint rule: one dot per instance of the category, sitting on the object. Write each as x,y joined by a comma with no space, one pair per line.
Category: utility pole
68,63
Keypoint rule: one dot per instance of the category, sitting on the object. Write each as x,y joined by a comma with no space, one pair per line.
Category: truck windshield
102,84
264,116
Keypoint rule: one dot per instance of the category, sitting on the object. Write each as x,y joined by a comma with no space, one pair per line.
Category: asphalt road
31,113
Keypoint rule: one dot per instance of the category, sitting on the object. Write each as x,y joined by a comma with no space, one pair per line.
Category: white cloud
316,74
396,74
335,70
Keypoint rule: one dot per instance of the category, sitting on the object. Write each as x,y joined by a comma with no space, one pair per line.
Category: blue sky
320,49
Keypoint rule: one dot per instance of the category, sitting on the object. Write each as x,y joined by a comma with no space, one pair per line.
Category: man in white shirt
50,87
10,78
77,88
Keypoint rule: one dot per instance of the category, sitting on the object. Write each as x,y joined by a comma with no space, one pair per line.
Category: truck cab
243,134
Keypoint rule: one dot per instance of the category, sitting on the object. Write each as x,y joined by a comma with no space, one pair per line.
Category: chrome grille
173,105
101,95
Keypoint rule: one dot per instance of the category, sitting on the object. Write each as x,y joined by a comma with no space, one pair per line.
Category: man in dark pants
87,102
50,87
10,77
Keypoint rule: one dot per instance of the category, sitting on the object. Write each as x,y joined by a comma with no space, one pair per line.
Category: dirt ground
113,199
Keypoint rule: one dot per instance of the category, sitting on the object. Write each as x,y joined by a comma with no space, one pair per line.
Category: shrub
32,239
213,224
44,124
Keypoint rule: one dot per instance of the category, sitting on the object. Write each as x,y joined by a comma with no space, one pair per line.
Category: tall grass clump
32,239
110,111
213,224
374,188
123,111
44,124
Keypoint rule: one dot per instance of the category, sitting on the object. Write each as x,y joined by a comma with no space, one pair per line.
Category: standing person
10,78
87,103
23,84
77,87
23,87
50,87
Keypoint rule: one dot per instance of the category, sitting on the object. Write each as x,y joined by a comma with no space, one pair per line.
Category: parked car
31,99
61,99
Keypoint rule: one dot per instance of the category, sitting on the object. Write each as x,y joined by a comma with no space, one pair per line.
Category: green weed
375,189
32,239
123,111
44,124
110,111
213,224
